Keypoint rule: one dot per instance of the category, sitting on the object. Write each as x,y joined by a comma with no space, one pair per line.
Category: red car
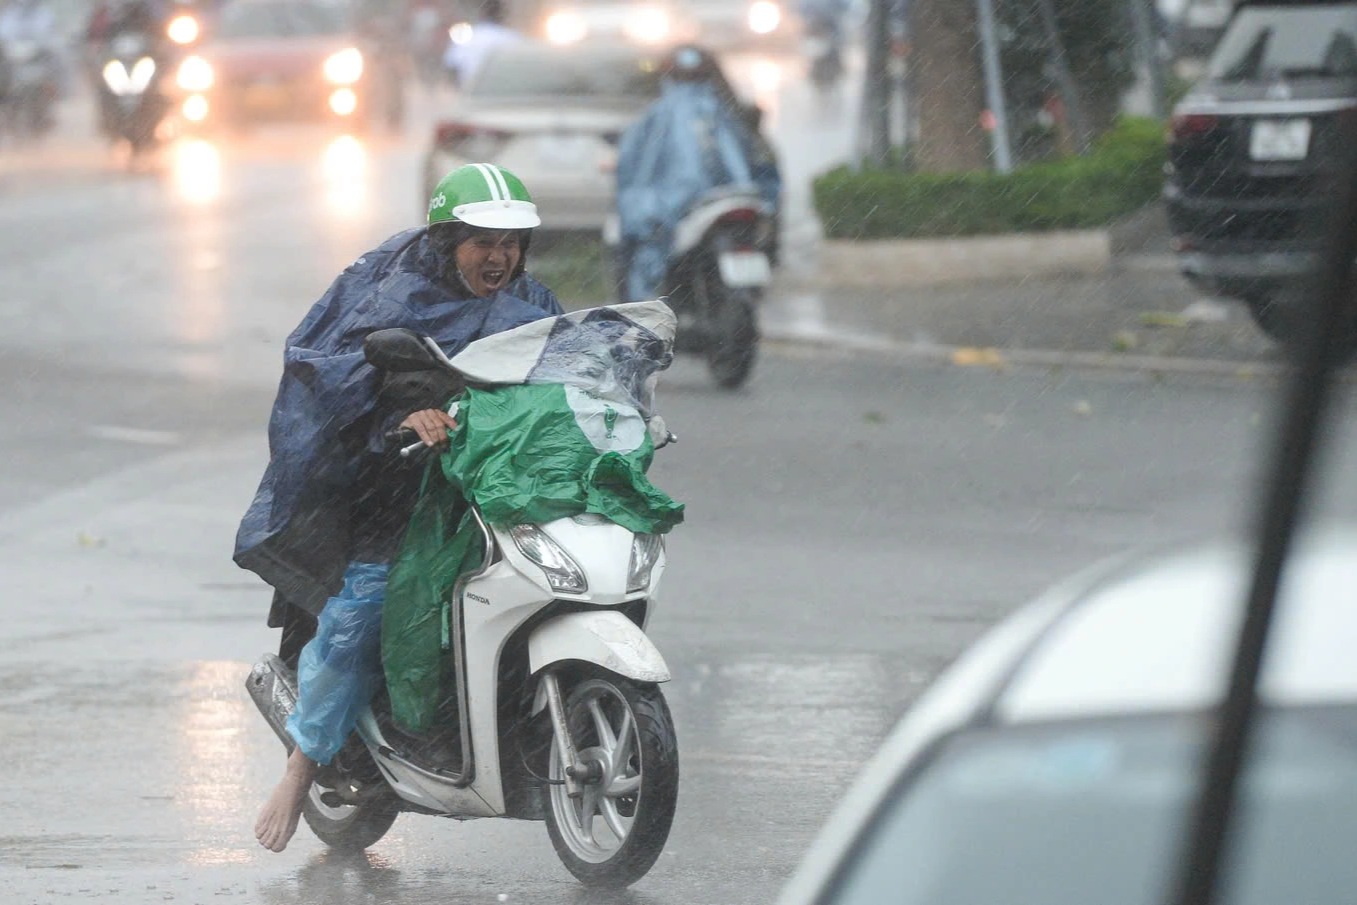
267,60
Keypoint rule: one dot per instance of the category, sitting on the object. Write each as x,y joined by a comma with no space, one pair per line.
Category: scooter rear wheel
734,337
613,832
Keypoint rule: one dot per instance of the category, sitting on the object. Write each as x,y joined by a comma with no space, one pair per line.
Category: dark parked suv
1254,155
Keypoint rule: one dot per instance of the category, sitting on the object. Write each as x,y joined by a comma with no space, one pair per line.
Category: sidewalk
1059,301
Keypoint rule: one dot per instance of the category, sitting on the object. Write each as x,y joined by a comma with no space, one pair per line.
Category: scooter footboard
604,637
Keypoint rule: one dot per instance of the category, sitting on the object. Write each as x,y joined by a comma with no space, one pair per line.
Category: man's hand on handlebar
432,425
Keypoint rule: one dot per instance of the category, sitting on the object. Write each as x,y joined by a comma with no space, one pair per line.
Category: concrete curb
852,345
892,263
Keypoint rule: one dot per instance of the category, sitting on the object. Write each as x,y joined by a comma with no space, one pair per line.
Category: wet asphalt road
854,519
851,526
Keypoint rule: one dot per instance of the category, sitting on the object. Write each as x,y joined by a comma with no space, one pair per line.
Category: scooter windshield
614,353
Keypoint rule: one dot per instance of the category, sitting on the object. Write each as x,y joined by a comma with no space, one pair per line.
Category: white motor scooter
557,713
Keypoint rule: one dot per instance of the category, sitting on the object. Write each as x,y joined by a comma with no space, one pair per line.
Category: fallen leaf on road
971,356
1164,319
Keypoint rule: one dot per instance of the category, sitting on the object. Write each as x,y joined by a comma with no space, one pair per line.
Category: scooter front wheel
349,828
613,830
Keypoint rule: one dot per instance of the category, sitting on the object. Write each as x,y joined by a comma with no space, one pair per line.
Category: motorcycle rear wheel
734,336
348,828
611,835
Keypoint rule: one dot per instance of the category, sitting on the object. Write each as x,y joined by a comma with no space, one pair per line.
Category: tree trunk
949,85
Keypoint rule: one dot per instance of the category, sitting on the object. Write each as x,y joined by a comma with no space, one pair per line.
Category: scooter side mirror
398,349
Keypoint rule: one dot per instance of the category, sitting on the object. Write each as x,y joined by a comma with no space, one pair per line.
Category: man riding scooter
694,139
141,22
330,511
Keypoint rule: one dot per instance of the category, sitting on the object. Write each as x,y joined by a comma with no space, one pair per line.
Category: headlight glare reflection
195,74
344,67
566,27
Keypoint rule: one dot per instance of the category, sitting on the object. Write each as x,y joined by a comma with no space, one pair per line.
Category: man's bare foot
278,820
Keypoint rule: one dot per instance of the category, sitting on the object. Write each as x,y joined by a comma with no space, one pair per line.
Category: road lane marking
134,435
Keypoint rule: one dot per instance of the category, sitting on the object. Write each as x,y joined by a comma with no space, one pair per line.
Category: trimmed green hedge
1122,174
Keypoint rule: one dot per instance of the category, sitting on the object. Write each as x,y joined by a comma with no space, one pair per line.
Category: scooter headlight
645,552
115,76
142,73
561,571
122,82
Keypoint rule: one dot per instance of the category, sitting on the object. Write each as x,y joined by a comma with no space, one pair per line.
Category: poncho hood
295,534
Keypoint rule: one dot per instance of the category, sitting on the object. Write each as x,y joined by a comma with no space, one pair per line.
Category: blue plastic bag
341,667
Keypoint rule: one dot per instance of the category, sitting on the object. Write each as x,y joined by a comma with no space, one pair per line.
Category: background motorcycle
130,91
34,85
719,268
557,714
822,43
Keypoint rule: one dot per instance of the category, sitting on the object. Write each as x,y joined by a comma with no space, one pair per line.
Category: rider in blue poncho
695,138
330,511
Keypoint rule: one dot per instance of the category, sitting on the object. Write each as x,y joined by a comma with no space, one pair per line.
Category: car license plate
740,269
266,96
1280,139
566,151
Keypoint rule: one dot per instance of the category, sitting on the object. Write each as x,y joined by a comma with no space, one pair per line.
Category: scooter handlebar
401,437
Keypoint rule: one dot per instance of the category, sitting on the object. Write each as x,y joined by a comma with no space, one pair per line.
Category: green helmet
484,195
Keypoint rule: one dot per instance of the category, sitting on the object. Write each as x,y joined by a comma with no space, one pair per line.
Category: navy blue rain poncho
295,534
688,143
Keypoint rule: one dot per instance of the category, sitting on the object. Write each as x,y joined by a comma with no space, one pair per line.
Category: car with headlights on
648,23
268,60
553,115
1058,760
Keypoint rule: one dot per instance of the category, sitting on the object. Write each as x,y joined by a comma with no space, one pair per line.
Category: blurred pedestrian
427,38
468,49
382,27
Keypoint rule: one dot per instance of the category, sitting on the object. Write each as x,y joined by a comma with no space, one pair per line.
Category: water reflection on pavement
143,780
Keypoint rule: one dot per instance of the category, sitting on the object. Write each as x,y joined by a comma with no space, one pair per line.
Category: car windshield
540,72
280,20
1296,42
1076,813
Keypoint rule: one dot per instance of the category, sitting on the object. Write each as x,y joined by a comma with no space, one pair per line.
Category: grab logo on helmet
483,195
